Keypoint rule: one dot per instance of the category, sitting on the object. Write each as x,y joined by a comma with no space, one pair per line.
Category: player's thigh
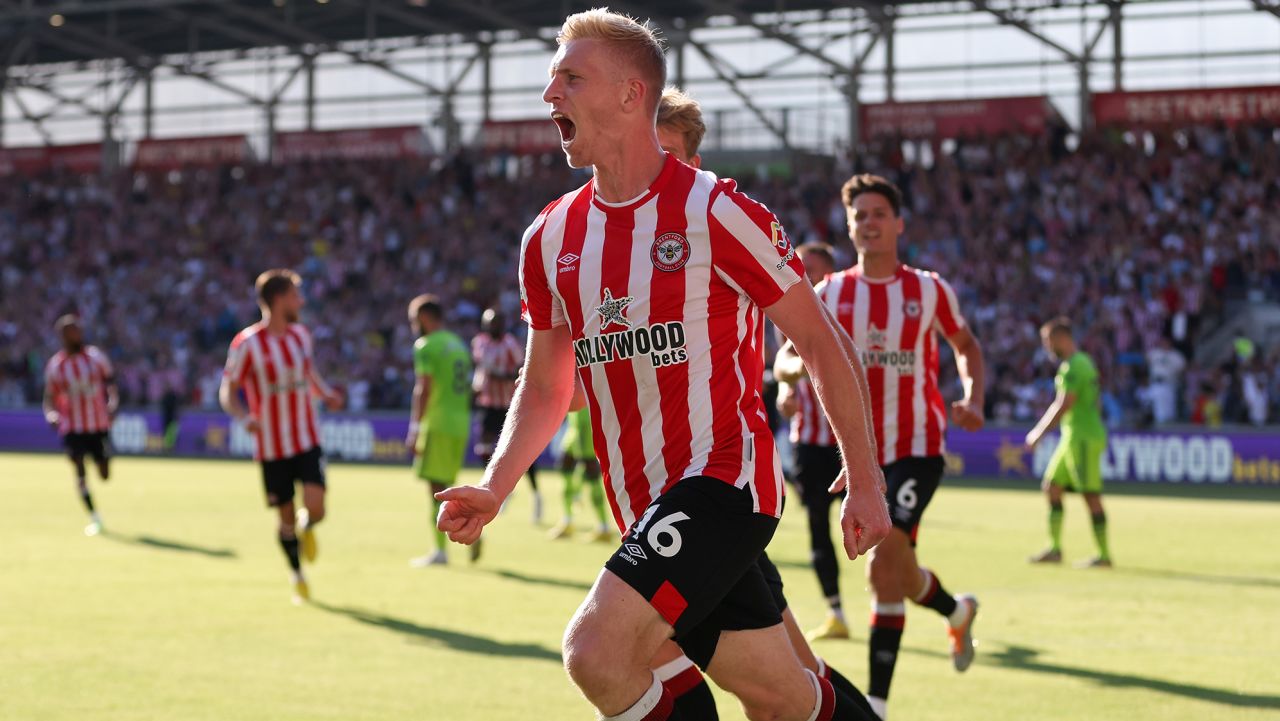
911,483
440,458
1088,463
614,625
277,482
693,556
100,449
1060,473
760,667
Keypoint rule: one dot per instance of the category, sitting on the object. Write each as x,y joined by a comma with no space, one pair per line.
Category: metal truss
54,73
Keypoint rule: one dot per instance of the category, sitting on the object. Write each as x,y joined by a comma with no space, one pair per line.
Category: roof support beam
720,6
727,75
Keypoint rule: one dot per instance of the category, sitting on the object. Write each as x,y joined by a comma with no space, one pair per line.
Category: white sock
642,707
837,610
959,615
671,669
880,706
817,690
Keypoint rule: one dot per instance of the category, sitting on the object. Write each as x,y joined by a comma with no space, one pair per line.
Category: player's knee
883,572
588,658
316,513
766,703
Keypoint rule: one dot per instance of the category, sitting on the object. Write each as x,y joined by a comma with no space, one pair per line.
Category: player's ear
696,161
633,96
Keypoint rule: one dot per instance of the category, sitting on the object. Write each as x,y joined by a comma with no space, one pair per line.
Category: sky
1179,44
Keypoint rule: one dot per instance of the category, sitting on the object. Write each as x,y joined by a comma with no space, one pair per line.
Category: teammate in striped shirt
497,357
815,466
893,312
680,132
654,280
271,361
80,399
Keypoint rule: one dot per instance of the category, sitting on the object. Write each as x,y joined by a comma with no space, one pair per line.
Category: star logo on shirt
611,309
876,338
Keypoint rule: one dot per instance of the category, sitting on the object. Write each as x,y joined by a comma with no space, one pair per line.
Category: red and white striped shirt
894,322
809,426
275,372
663,298
77,383
497,360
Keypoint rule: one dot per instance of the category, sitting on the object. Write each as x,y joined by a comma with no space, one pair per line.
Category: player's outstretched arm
541,401
1062,403
968,411
835,374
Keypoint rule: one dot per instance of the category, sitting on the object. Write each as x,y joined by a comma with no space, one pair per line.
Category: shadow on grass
456,640
166,544
1212,578
1206,491
1025,659
541,580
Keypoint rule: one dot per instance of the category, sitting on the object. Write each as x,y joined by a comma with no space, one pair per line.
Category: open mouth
566,127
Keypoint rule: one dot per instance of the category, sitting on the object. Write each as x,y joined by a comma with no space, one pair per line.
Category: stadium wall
1190,456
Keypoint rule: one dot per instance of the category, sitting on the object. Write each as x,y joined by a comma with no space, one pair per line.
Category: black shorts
278,476
94,445
774,579
492,421
815,469
694,556
912,483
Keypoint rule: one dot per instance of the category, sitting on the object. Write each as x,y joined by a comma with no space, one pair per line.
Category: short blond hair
682,114
638,42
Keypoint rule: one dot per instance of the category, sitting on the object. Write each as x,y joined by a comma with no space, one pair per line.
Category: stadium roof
51,31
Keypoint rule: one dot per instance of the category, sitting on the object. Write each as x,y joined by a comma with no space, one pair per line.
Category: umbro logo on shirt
568,262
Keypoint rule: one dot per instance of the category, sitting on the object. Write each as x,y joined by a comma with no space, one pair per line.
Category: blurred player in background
440,416
816,465
680,131
654,281
580,467
80,399
1077,461
498,356
271,361
893,311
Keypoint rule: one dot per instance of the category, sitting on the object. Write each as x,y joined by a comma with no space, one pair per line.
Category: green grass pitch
182,612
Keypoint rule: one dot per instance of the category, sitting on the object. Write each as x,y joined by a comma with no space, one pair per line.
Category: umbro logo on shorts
632,553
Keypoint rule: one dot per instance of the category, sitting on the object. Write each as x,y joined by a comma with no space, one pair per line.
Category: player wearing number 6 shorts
440,417
894,313
652,282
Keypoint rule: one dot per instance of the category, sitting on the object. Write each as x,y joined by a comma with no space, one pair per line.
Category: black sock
935,596
886,636
834,705
533,477
848,693
696,702
289,542
822,552
85,495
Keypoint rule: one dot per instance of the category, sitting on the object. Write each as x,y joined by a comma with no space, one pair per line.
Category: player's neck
275,324
628,169
879,266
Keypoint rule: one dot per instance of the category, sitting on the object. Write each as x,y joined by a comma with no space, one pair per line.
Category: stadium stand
1168,232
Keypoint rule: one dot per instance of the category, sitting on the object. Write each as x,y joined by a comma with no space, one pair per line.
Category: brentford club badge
912,309
670,252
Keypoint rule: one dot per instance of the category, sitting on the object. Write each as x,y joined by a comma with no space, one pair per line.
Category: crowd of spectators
1144,241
